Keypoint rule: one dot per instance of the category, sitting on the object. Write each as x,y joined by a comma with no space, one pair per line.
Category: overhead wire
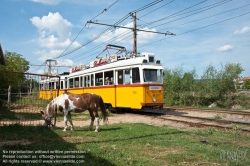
179,13
176,13
206,17
110,28
222,2
157,8
105,9
171,15
196,29
209,7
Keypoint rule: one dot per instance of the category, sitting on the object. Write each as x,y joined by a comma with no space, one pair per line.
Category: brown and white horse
68,102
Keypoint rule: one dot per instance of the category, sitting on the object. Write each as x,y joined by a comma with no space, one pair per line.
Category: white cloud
54,36
243,30
224,48
53,23
49,2
123,34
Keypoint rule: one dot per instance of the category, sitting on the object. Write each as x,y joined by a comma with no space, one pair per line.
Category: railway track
201,124
244,113
175,114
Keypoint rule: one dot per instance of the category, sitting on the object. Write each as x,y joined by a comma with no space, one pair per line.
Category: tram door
127,94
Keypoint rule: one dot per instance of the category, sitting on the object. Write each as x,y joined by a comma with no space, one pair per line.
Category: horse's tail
104,112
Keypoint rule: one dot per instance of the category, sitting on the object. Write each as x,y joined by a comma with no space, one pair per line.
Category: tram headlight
154,99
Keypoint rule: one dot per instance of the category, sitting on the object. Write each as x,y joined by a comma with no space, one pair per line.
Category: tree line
215,86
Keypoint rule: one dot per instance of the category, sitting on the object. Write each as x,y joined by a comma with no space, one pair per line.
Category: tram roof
118,64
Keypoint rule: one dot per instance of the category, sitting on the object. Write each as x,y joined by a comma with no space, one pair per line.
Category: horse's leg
70,121
65,121
97,120
97,124
92,119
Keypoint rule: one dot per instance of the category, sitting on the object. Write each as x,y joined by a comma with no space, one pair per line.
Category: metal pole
135,35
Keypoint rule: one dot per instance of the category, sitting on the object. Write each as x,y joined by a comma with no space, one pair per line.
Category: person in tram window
107,81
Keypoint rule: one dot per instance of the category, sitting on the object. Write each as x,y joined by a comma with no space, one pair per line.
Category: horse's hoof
96,131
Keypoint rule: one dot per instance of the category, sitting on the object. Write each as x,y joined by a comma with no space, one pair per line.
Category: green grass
136,144
31,100
5,113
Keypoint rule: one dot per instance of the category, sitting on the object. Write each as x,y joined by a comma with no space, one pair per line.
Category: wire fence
19,99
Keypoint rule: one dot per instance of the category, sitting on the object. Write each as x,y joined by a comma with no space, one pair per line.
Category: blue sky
208,32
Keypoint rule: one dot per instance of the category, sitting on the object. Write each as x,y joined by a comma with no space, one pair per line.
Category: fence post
9,96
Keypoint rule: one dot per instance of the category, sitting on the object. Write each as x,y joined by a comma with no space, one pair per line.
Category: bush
246,84
215,86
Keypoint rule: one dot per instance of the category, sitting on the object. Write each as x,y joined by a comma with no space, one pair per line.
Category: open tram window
109,77
99,79
71,84
76,82
135,75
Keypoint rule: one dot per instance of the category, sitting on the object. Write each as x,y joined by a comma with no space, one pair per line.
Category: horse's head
46,117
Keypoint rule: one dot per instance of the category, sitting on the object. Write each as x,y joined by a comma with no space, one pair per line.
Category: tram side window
46,86
92,79
51,85
61,84
99,79
57,85
81,81
41,86
120,77
109,77
135,75
86,82
76,82
71,83
66,84
127,77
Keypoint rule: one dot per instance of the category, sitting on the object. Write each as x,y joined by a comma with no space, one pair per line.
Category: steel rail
214,120
208,110
199,125
196,124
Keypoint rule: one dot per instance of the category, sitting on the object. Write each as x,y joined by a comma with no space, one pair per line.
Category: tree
246,84
14,63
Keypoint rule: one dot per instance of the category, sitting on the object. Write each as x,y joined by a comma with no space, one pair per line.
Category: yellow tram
128,82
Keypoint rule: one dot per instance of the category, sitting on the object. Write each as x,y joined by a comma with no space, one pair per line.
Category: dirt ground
126,118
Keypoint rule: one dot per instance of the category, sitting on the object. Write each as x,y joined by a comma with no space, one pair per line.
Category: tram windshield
153,75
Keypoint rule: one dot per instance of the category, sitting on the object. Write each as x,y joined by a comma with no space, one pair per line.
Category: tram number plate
154,87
